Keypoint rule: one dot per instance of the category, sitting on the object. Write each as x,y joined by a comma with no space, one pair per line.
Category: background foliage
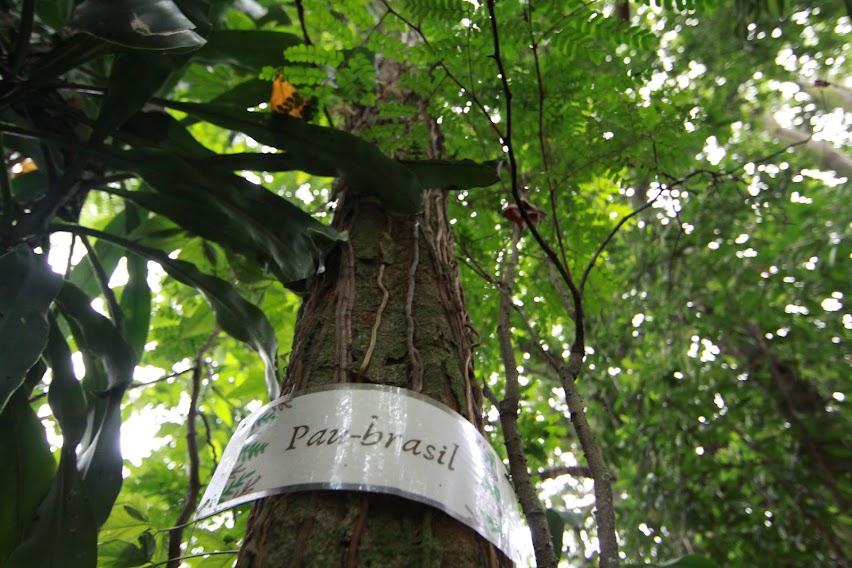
717,369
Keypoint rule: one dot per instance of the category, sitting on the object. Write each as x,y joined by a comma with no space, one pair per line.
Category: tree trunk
388,310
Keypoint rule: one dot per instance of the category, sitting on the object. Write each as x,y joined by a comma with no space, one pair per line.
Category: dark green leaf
557,531
138,24
134,78
462,174
122,554
249,49
64,534
27,288
109,369
65,395
26,469
83,274
237,317
135,300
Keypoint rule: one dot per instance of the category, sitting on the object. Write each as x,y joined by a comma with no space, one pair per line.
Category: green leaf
54,13
264,224
456,174
109,369
65,395
64,534
238,318
83,274
122,554
27,288
26,470
248,49
134,78
323,151
138,24
135,301
557,531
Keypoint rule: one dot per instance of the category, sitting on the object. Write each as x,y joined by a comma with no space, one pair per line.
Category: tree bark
389,309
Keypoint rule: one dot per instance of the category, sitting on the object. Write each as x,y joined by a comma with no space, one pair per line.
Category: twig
573,470
6,202
474,99
194,483
609,237
508,409
198,555
209,439
103,281
300,9
137,384
545,160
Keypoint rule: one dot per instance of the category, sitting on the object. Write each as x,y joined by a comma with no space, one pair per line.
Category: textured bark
388,310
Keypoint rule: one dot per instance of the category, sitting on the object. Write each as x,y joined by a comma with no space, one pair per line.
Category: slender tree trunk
389,310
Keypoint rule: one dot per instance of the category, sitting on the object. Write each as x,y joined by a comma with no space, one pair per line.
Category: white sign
372,438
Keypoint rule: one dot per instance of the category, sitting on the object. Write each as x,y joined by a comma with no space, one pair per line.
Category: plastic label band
374,438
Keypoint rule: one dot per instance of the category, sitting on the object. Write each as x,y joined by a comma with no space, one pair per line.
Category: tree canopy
650,198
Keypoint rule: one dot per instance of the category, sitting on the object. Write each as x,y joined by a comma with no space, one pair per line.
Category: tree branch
568,372
194,483
508,409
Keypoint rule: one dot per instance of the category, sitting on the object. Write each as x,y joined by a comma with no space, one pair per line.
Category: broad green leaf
54,13
83,274
157,25
135,301
557,531
330,152
64,534
65,395
123,554
27,288
454,174
323,151
134,78
26,470
109,369
237,317
292,241
248,49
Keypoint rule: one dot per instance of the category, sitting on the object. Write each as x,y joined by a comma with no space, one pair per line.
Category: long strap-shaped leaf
109,370
64,534
236,316
327,151
27,288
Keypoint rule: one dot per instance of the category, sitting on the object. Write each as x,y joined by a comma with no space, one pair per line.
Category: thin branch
137,384
194,483
610,236
545,160
572,470
578,348
508,409
209,439
198,555
103,281
300,9
473,98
